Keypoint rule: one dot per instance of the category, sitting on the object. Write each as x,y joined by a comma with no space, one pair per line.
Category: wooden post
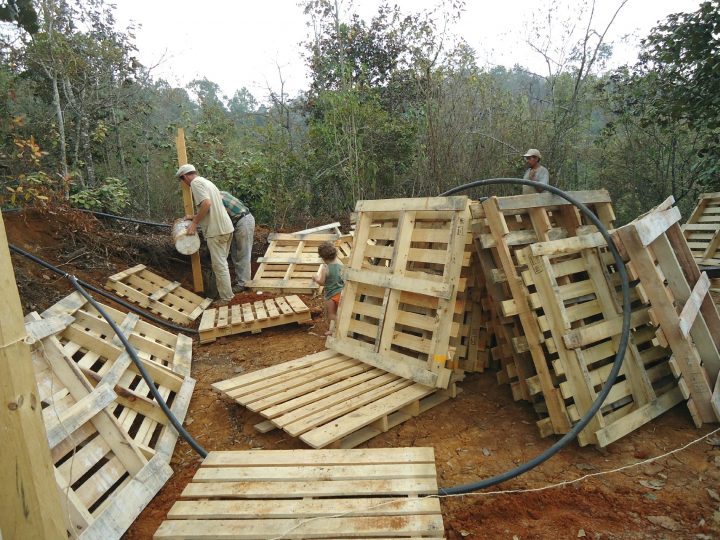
188,207
29,497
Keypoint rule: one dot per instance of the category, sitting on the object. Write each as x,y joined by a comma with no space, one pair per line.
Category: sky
257,44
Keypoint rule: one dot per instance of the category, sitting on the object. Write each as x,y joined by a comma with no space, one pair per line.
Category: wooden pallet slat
289,496
252,317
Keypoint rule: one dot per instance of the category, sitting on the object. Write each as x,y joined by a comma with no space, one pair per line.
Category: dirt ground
481,433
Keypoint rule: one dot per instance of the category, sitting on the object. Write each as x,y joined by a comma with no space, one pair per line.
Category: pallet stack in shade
110,442
291,260
702,230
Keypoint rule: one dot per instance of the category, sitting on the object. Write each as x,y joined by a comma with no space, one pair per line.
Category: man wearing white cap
536,172
215,223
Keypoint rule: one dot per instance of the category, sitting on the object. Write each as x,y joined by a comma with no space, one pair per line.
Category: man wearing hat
215,223
536,172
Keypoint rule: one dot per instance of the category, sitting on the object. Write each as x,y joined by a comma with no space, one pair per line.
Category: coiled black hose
617,364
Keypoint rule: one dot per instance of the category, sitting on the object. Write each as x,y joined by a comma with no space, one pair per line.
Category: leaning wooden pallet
157,294
368,493
397,307
252,317
683,312
328,399
579,314
291,261
506,225
702,230
104,478
90,341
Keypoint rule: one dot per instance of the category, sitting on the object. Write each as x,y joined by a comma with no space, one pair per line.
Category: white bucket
185,243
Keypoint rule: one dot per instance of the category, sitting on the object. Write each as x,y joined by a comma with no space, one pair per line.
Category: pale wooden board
157,294
379,493
252,317
331,399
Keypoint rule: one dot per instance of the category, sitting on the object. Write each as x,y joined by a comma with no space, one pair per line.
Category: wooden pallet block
104,478
400,294
358,493
252,317
502,227
702,230
157,294
572,290
683,312
330,399
91,343
291,261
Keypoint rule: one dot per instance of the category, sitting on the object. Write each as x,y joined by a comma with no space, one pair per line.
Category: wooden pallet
501,228
368,493
397,313
702,230
683,313
252,317
329,399
572,291
104,477
291,261
157,294
99,355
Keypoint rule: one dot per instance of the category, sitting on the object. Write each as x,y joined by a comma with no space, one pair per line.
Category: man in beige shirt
215,223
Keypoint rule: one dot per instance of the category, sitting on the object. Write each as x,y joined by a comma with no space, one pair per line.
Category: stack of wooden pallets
526,284
110,442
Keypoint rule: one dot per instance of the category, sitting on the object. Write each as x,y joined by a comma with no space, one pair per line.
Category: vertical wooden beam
188,208
29,496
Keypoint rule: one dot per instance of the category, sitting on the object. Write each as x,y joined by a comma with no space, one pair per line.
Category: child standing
329,276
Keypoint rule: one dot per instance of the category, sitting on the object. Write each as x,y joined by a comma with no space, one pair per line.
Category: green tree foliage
397,107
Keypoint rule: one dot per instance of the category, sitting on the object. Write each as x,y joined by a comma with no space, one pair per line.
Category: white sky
237,43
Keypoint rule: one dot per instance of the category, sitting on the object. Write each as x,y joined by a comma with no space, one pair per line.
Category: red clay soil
481,433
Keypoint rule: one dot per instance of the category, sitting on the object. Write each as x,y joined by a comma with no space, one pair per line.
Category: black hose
617,364
101,292
121,218
138,364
